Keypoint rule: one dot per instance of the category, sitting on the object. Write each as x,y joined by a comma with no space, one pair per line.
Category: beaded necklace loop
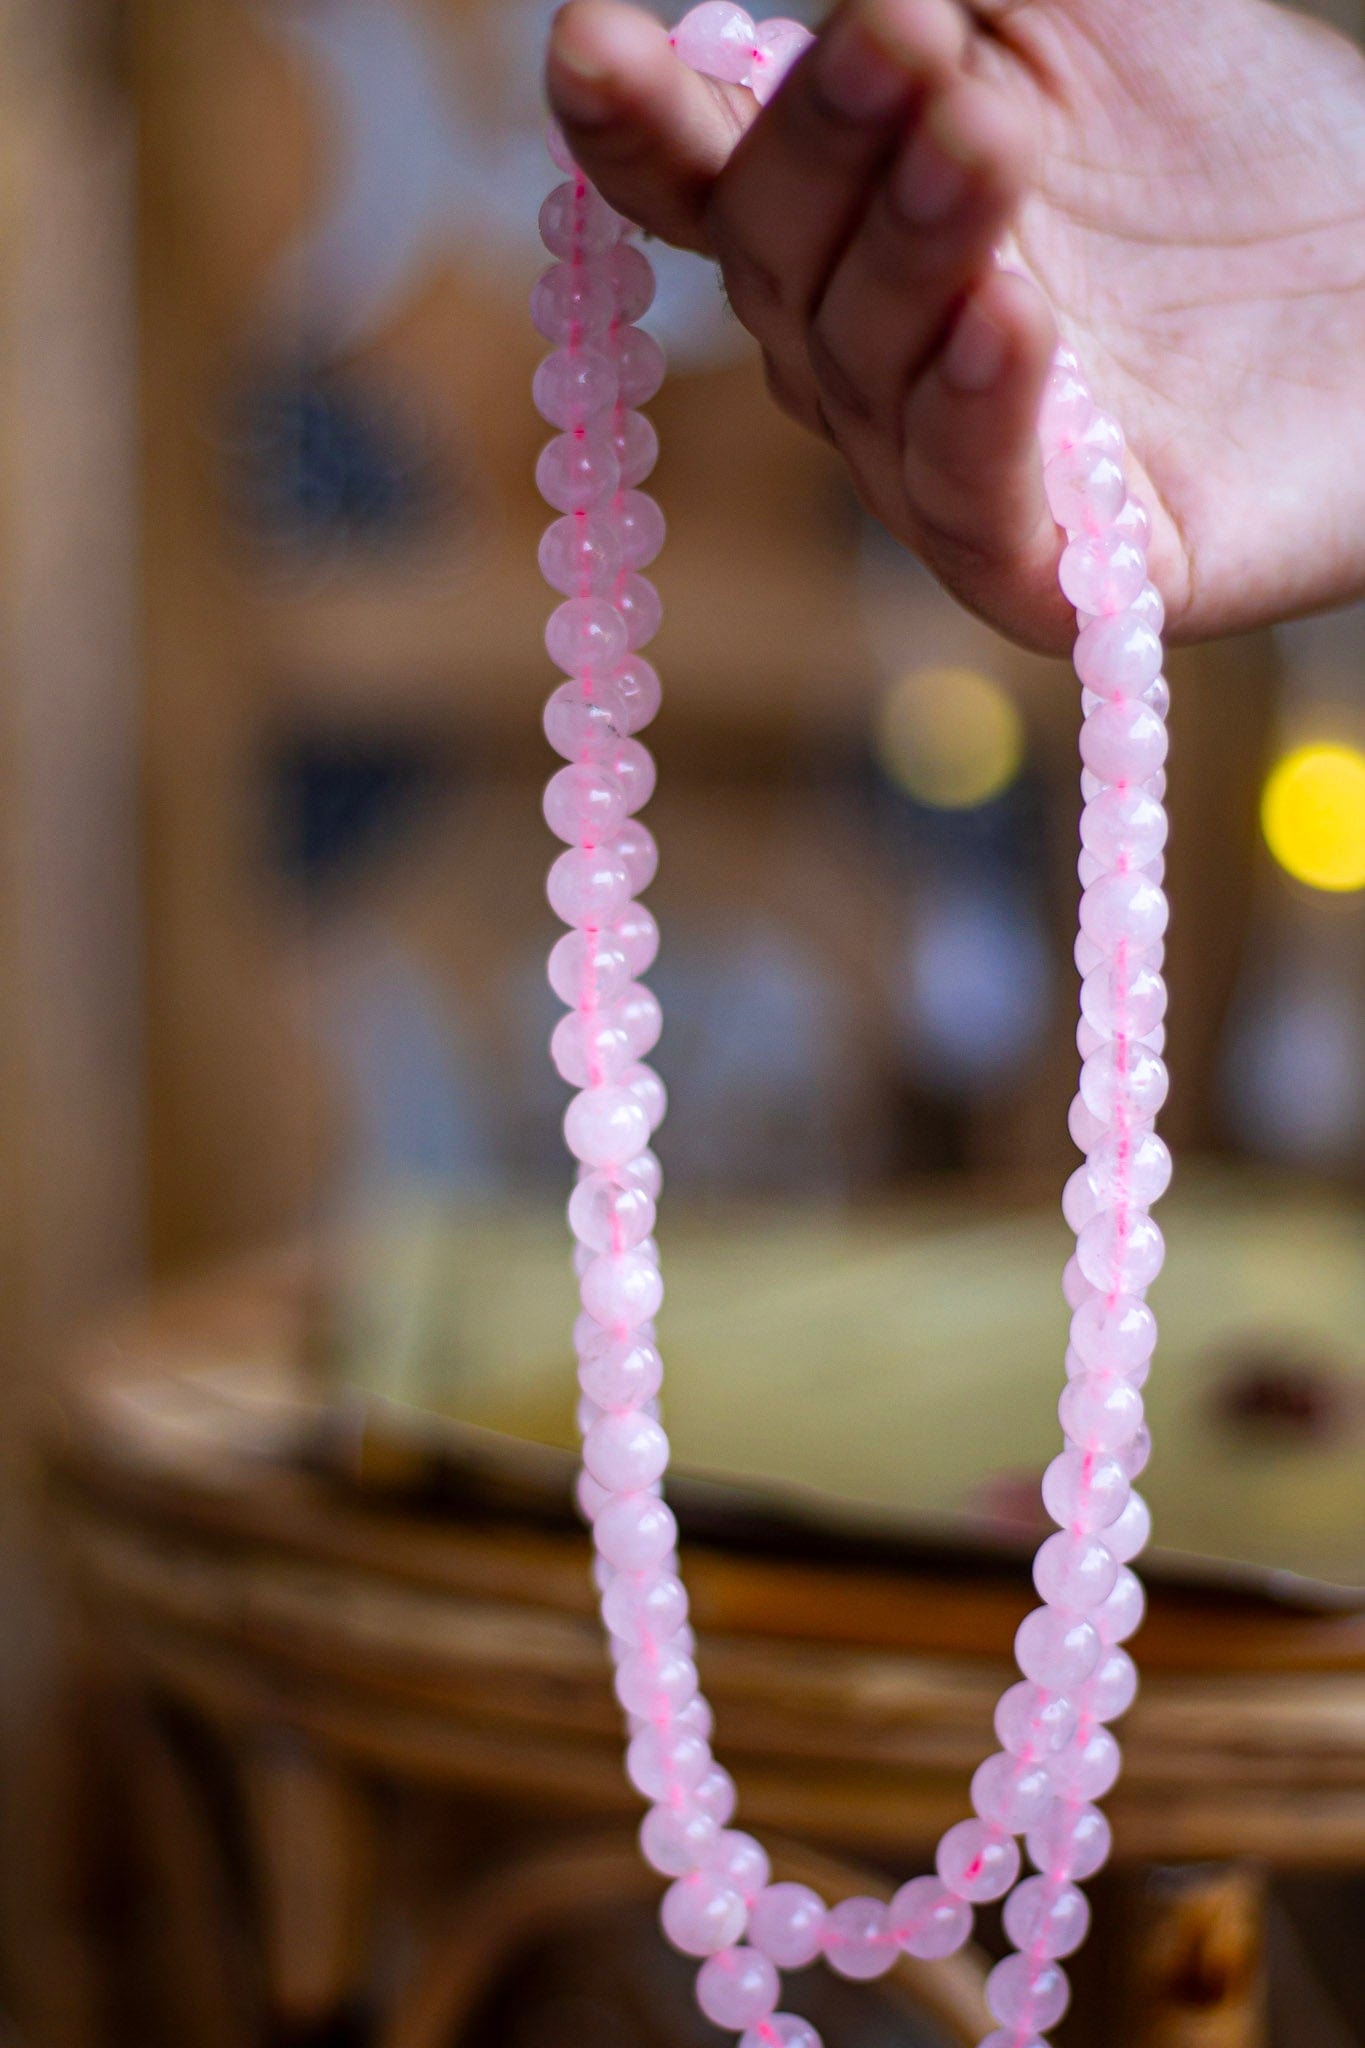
1057,1754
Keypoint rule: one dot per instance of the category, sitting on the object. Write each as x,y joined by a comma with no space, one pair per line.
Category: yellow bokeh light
1313,816
950,737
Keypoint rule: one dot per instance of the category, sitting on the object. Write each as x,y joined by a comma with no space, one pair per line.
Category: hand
1185,187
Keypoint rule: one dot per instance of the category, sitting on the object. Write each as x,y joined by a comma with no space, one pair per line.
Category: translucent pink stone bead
588,964
1121,1250
1135,522
575,219
634,1532
635,445
977,1862
1067,408
586,633
675,1840
626,1452
1135,1082
858,1942
1125,823
637,934
584,804
572,302
578,469
637,1605
1024,1993
716,39
580,724
1136,1162
716,1794
632,283
640,365
1009,1793
649,1091
1134,1456
640,528
1114,1687
626,1373
662,1761
1102,572
1100,1414
786,1921
701,1914
1031,1722
637,692
635,847
1132,999
573,386
587,1049
580,555
1131,1532
1075,1286
640,608
608,1217
622,1290
1070,1842
1118,1335
1073,1573
605,1126
633,766
1124,741
1046,1919
737,1988
639,1015
1079,1200
1121,1614
1119,909
783,2030
777,45
741,1861
1087,1768
927,1920
1056,1650
1118,656
1084,486
697,1714
1084,1490
656,1683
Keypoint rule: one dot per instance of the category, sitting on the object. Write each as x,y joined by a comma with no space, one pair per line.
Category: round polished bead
1085,487
572,302
588,967
636,1532
1121,1250
1032,1722
977,1862
588,1049
716,1795
1072,1573
586,634
786,1921
1137,1164
634,845
574,386
636,693
1100,1414
782,2030
1086,1130
605,1126
633,766
737,1988
1118,656
1113,1688
640,1605
639,528
585,805
1085,1491
1009,1793
741,1861
1056,1650
716,39
1079,1200
858,1942
1131,1532
640,365
1130,999
589,1497
1102,572
576,221
580,555
578,470
1157,697
632,283
927,1920
581,723
1075,1286
649,1091
1115,1335
1024,1993
664,1762
656,1683
635,445
1132,1081
676,1839
777,45
637,934
1124,741
1047,1919
1134,1456
626,1451
1134,522
621,1290
1087,1768
640,1017
701,1914
1124,909
1065,411
1122,1613
608,1217
1070,1842
1123,824
640,608
625,1373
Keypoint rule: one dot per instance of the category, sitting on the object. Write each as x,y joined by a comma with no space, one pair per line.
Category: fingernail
933,174
857,74
580,87
975,354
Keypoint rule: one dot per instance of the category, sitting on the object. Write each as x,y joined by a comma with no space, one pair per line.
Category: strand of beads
1057,1754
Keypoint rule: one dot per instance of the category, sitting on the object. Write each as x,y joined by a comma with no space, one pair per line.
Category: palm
1199,227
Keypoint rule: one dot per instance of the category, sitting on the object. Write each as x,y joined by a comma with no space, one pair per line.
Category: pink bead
977,1862
626,1373
1124,908
635,847
1149,606
656,1684
1122,1613
663,1763
1135,523
1114,1687
605,1126
1100,1414
1085,487
1031,1722
1070,1842
584,804
627,1451
701,1914
1085,1491
1079,1200
1075,1286
1056,1650
741,1861
633,766
1072,1573
1102,572
777,45
572,302
1087,1768
1024,1993
716,39
1157,697
1103,435
588,965
676,1839
1134,1456
1114,1336
1118,656
637,693
639,1015
1045,1919
608,1217
1124,741
588,1049
576,471
697,1714
635,445
636,1605
1123,824
621,1290
632,283
786,1921
580,555
716,1795
1010,1794
579,723
1130,999
576,221
640,365
1121,1251
1131,1532
1139,1162
927,1920
737,1988
1065,411
858,1942
1133,1083
586,633
640,528
640,608
783,2030
1086,1130
649,1091
573,386
635,1532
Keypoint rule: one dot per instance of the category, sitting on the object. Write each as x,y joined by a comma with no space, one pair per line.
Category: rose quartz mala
1057,1756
